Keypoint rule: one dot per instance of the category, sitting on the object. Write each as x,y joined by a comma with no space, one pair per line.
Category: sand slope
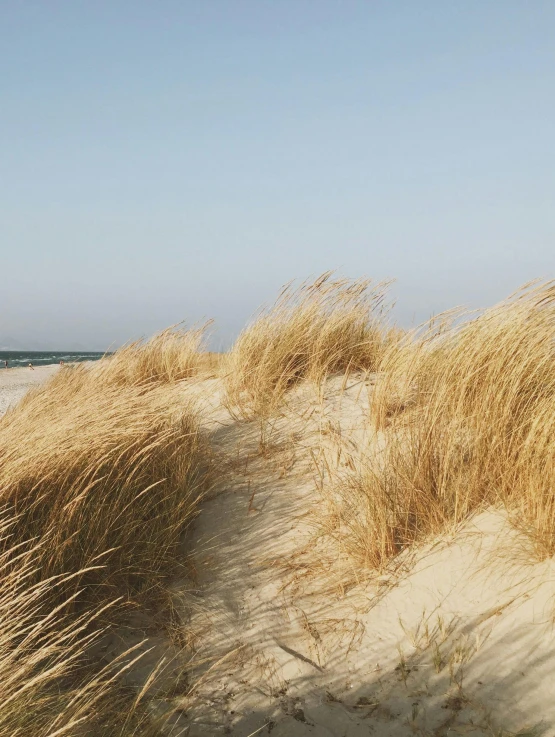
459,642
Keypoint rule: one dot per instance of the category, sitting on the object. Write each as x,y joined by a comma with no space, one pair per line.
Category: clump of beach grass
318,328
49,683
99,478
169,356
43,688
467,408
103,474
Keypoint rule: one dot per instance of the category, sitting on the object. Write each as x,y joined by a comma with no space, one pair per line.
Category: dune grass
467,405
103,474
44,688
169,356
318,328
101,471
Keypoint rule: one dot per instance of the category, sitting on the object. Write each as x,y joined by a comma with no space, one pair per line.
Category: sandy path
14,382
461,644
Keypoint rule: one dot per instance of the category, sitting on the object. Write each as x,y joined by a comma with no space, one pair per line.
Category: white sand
15,382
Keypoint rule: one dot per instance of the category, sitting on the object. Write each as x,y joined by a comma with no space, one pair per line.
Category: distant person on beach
61,363
5,364
31,367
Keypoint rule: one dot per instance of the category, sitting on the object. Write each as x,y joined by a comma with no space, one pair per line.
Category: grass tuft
167,357
322,327
101,472
467,406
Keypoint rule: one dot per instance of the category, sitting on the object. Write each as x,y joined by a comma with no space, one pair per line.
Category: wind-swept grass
99,477
313,330
167,357
48,685
42,649
468,411
102,474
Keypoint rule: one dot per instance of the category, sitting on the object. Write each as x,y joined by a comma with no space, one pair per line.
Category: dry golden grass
468,409
102,471
49,686
316,329
210,363
169,356
44,691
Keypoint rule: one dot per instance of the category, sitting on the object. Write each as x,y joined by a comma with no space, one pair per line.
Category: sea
17,359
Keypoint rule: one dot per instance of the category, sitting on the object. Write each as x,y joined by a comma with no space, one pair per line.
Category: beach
15,382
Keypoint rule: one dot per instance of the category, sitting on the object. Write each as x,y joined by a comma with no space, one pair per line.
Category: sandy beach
14,382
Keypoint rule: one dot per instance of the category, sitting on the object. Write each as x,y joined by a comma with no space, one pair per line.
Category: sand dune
354,541
458,641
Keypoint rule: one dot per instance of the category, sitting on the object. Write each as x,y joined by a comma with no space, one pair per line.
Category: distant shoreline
22,359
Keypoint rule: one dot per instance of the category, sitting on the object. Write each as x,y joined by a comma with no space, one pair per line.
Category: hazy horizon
180,161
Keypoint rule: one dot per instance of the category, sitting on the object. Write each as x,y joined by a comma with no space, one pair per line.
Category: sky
181,160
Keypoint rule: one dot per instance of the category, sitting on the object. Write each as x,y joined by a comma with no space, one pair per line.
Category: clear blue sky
175,159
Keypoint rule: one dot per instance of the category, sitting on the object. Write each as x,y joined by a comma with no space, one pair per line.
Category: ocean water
17,359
